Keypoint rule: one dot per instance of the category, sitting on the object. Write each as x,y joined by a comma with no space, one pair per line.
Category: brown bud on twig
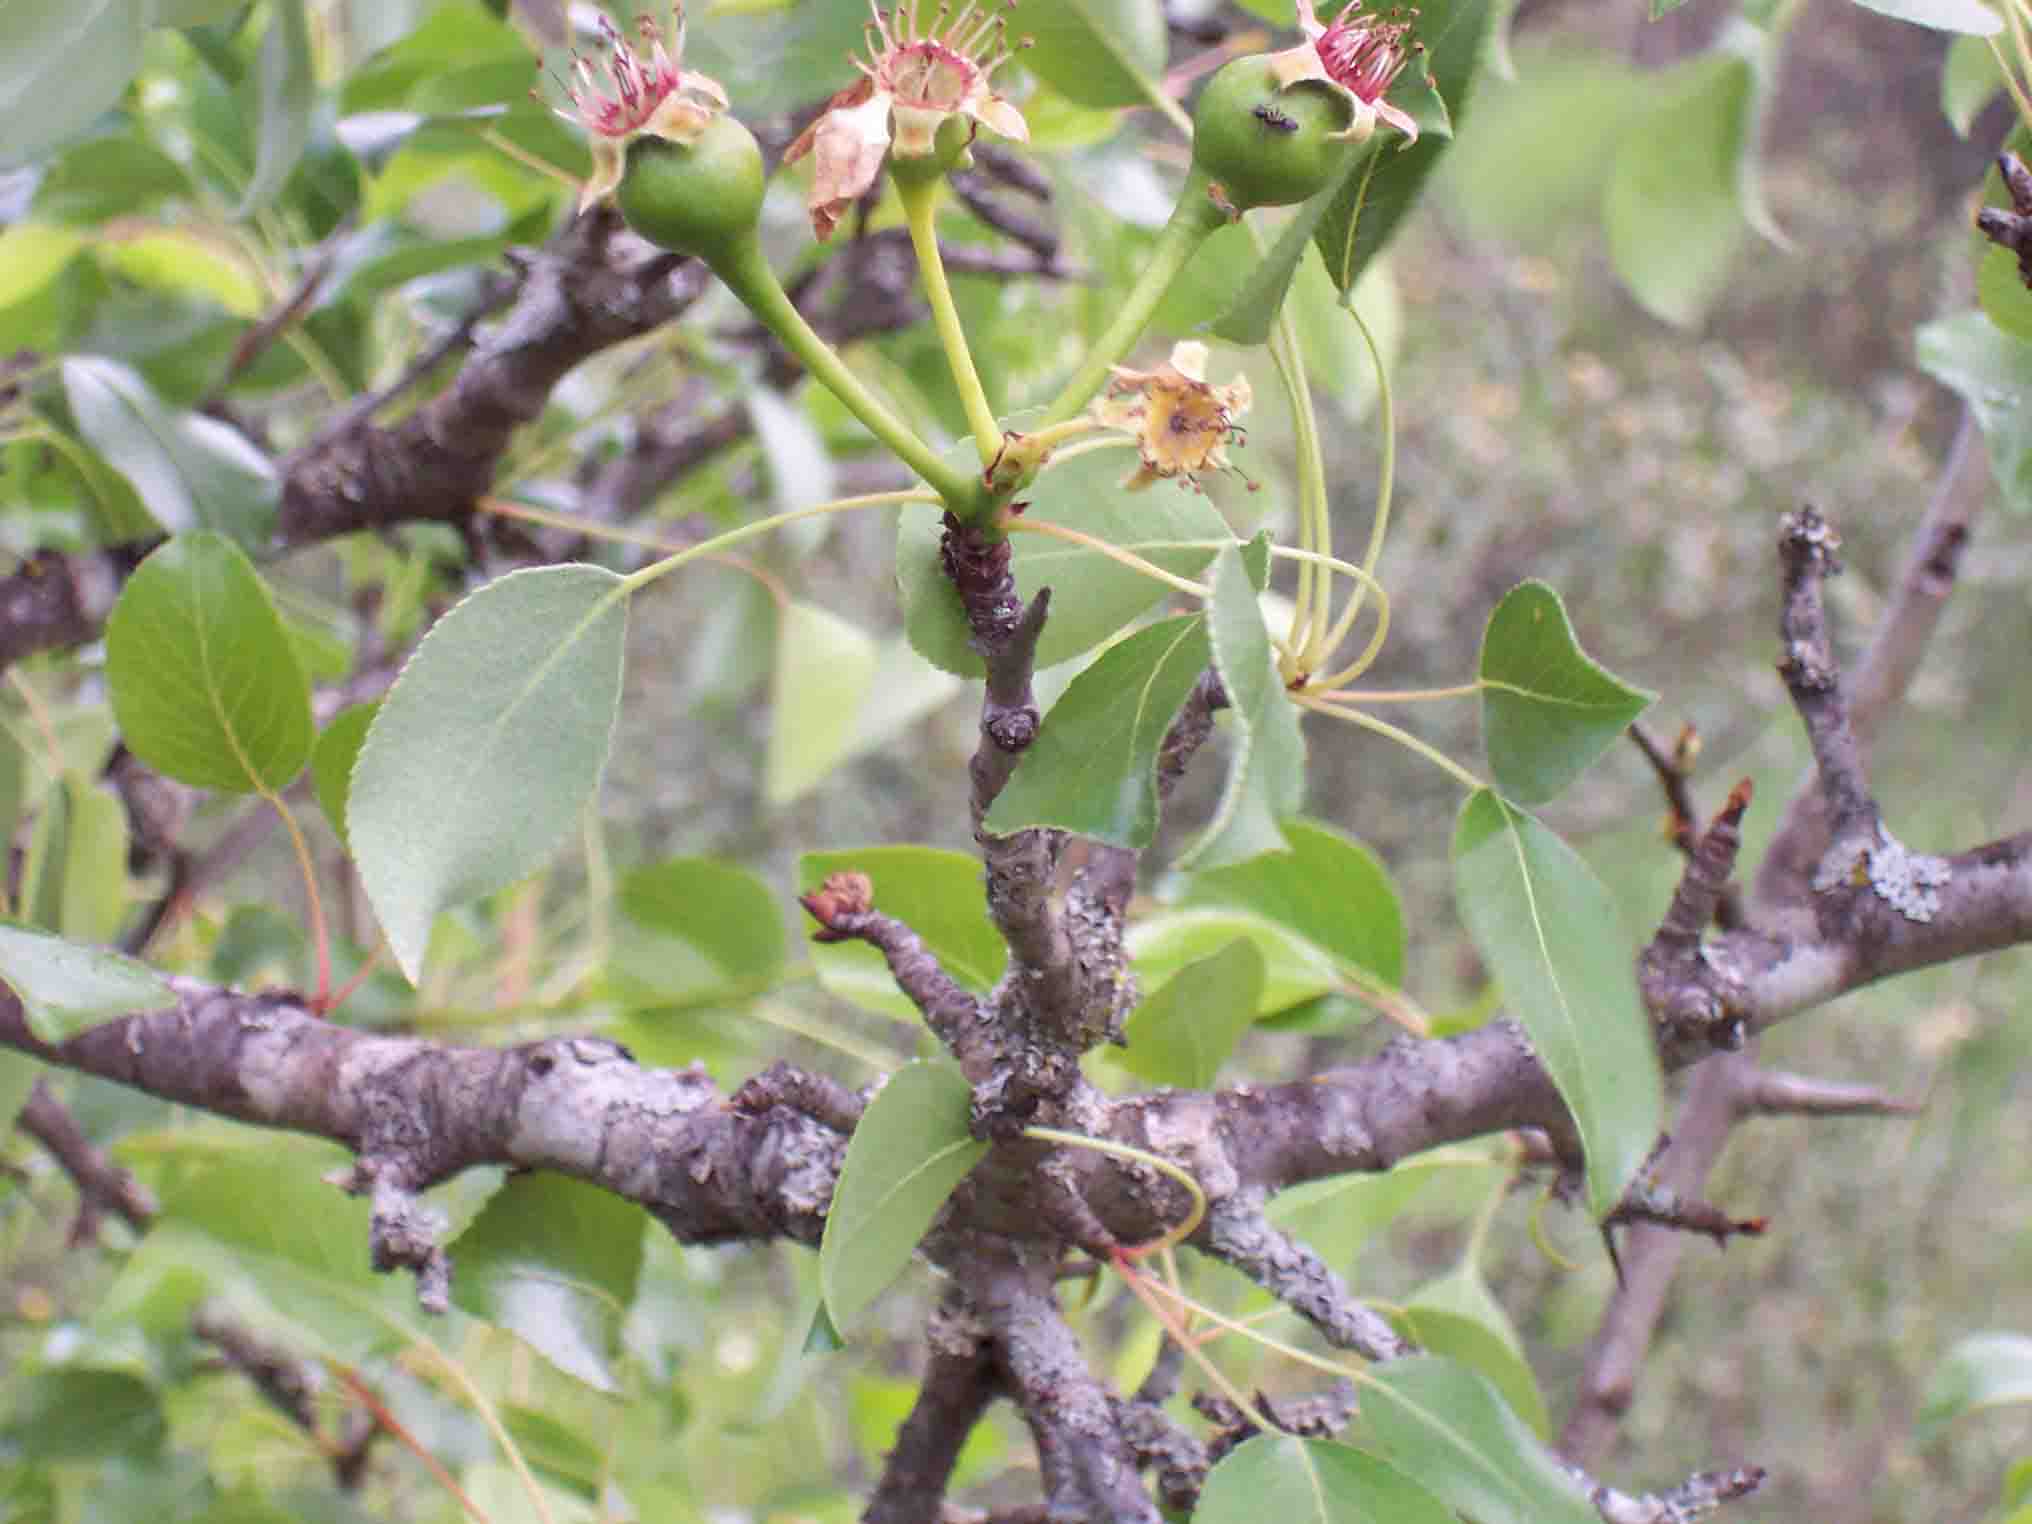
2013,229
840,896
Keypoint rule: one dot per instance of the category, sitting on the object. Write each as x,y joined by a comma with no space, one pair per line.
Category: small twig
1660,1206
102,1185
1699,1494
1180,1460
495,294
1774,1093
1926,579
256,340
1711,861
290,1385
1238,1234
1807,545
818,1096
844,910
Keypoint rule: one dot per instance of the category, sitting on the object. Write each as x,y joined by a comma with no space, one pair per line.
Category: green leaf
1184,1033
287,89
554,1261
938,894
191,471
99,179
1970,17
573,1455
1339,1215
1550,932
1969,81
488,746
1448,1429
1092,596
1312,1481
1093,767
1682,196
248,1218
1456,1316
910,1148
65,987
1369,206
825,673
1548,709
1984,1370
62,63
1253,312
1294,971
1266,765
2017,1487
1993,373
74,881
80,1413
205,682
1095,52
331,761
769,58
1328,888
695,925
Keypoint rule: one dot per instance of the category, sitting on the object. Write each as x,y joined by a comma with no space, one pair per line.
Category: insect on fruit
1275,120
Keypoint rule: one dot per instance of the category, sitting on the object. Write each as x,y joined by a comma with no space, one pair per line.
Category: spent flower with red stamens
637,93
1358,56
916,78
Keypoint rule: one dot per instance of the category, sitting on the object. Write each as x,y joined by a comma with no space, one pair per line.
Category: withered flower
1182,425
914,80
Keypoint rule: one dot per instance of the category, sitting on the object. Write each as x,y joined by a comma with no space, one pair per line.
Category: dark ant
1275,120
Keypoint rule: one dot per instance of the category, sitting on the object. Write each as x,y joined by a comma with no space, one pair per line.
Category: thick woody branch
102,1185
959,1382
582,293
417,1113
1090,1471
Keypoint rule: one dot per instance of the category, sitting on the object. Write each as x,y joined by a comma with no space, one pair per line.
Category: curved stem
1398,696
1145,1289
920,211
636,581
1404,738
1192,220
1113,552
1385,488
748,275
1158,1162
1315,532
320,936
